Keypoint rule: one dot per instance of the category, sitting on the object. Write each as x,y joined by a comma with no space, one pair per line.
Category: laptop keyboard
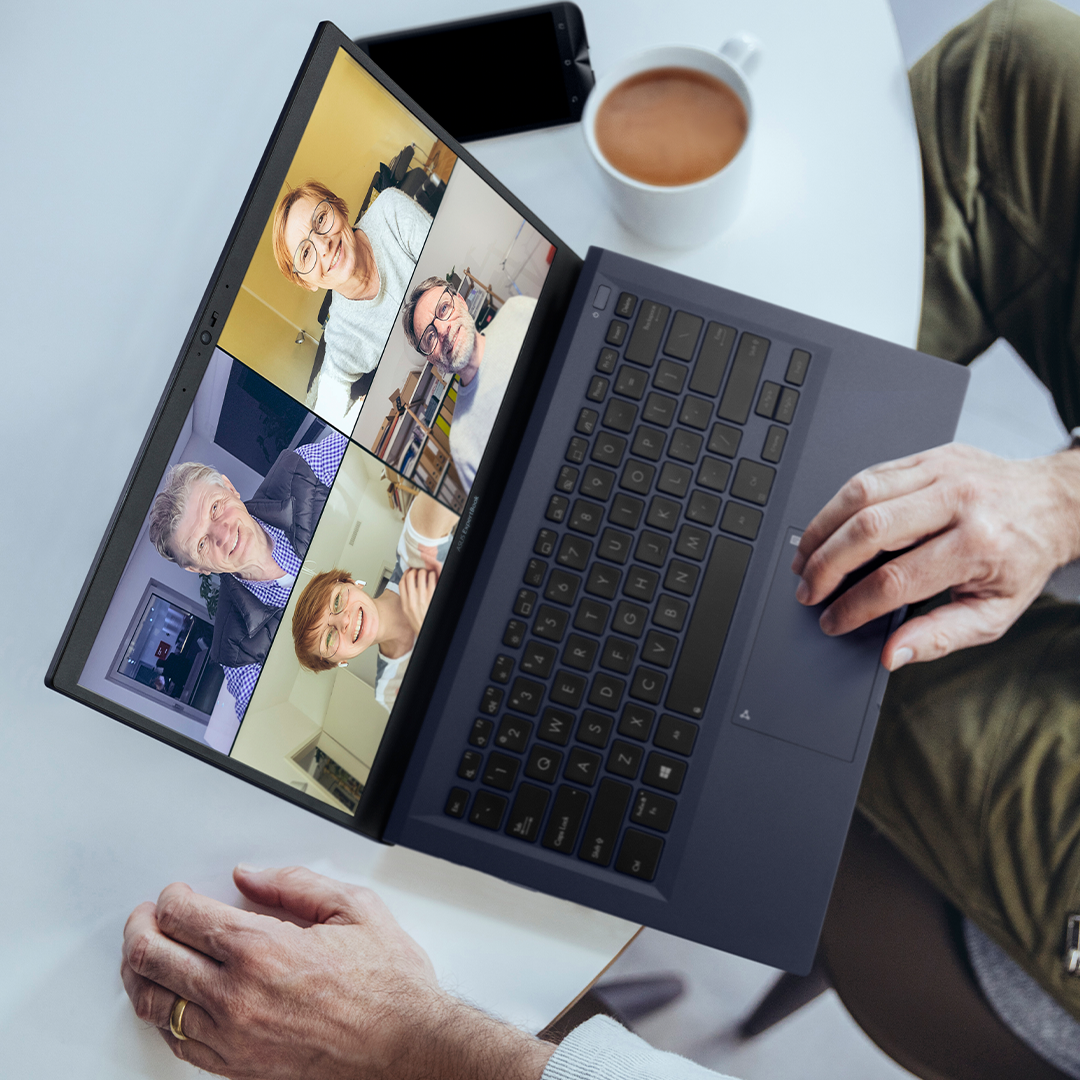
586,730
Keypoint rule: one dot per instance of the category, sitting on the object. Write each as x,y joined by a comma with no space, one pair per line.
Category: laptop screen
270,605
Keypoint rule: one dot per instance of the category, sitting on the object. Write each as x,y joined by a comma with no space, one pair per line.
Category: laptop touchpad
800,685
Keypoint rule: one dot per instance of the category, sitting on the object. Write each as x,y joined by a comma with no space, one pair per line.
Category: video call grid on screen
322,398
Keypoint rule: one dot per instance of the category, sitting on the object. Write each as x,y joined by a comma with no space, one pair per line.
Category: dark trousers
975,771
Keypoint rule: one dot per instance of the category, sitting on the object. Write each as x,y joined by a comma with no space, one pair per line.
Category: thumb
302,892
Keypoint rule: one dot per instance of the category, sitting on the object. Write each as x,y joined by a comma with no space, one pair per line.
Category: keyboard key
659,649
535,572
480,733
586,517
598,388
586,421
515,631
653,810
602,829
565,821
707,632
675,479
753,482
513,734
469,766
637,476
683,335
774,444
555,726
639,855
580,652
630,619
645,340
526,696
502,669
744,377
582,767
608,449
501,771
797,365
574,551
714,473
607,360
603,581
785,411
562,587
670,612
664,772
648,443
527,812
624,759
492,701
647,685
703,508
631,382
636,722
663,513
592,617
567,689
767,399
556,508
576,450
545,542
543,764
659,409
615,545
640,584
685,445
456,802
606,692
712,359
652,548
681,577
696,413
616,334
669,376
675,734
538,659
625,510
595,728
550,623
693,542
618,655
567,479
488,809
620,415
597,482
741,520
724,440
625,306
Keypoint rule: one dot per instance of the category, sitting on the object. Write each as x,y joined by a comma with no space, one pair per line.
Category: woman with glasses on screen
367,267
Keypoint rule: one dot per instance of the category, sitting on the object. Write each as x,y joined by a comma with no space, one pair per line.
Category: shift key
602,831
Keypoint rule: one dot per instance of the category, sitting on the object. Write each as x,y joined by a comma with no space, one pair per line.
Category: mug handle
743,50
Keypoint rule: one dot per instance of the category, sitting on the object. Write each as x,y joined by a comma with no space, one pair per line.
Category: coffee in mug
670,126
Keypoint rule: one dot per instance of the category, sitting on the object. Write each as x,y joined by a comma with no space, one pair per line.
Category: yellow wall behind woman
355,125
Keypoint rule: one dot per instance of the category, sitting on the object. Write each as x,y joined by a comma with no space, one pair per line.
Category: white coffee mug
687,214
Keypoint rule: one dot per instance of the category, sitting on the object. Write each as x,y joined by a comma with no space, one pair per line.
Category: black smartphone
513,71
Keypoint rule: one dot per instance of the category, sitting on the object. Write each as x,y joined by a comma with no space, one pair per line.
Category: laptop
449,536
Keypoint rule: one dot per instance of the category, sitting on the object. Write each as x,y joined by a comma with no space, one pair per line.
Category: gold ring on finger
176,1019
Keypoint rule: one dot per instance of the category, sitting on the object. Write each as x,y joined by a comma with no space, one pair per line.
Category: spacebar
708,627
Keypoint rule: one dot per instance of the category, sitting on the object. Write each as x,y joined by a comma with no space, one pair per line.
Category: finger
154,1004
306,894
165,961
891,525
194,1052
207,925
967,621
888,480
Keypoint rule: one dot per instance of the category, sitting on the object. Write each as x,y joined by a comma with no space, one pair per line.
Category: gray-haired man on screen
438,325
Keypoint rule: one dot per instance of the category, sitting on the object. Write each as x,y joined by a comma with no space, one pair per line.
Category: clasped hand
989,530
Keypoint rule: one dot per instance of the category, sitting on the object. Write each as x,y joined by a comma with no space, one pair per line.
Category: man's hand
990,530
415,590
351,995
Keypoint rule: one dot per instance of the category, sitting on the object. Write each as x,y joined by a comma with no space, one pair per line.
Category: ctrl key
639,855
488,809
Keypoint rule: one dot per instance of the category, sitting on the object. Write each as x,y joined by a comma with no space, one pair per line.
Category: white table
131,133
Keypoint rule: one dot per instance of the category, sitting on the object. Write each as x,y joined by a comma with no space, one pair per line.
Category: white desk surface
130,133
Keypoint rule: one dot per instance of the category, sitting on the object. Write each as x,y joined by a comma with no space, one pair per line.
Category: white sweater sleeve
601,1049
